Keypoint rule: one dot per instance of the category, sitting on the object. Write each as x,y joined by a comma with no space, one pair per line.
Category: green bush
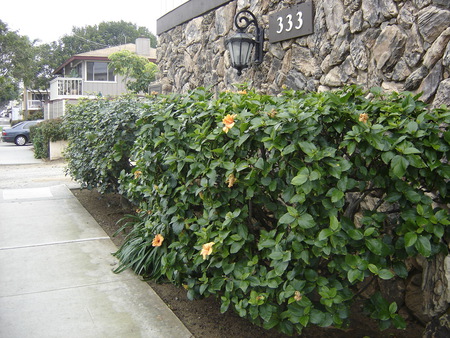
280,205
44,133
38,115
101,133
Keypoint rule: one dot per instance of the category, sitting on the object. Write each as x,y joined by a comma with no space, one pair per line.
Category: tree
103,35
16,62
135,67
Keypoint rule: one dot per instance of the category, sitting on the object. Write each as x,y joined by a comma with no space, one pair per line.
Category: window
99,71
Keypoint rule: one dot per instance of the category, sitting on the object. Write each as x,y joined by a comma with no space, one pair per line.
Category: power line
98,43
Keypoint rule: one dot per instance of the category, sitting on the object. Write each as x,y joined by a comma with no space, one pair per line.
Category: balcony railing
35,104
66,87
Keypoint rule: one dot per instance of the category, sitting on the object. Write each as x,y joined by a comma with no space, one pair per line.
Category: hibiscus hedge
280,205
101,133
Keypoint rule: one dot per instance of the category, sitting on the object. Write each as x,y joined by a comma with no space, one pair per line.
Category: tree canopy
138,71
103,35
16,62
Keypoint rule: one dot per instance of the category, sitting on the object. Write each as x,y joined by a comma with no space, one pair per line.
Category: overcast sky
49,20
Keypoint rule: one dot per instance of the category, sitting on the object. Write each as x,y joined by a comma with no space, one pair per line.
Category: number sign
291,23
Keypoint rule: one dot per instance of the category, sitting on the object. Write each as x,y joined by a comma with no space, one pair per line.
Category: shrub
101,133
280,205
44,133
38,115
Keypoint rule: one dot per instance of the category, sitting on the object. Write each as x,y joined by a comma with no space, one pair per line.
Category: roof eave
87,58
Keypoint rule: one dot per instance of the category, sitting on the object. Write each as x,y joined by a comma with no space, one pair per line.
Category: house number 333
291,23
288,24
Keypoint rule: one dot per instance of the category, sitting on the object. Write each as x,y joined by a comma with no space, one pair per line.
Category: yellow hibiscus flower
363,117
231,180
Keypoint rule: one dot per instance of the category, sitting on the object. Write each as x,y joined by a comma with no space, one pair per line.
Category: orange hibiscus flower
228,121
157,241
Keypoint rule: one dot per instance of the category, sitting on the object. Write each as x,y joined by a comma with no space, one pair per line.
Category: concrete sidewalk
56,276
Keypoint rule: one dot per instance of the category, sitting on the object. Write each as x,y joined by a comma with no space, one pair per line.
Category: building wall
105,88
394,44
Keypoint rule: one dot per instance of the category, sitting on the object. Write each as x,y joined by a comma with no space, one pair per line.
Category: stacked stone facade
399,45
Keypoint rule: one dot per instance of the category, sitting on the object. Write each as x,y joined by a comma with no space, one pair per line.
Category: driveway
19,169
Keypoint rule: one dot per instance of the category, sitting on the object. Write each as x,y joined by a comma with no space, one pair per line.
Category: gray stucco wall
395,44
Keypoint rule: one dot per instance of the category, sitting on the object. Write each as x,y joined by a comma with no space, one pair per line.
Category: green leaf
311,275
375,245
369,231
393,197
292,211
228,268
416,161
225,304
316,316
306,221
228,165
412,127
265,311
334,223
287,218
324,234
411,150
172,210
399,164
387,156
400,269
399,322
378,142
393,307
336,195
308,148
266,243
354,275
280,267
373,268
236,246
355,234
260,164
287,150
241,166
243,138
438,230
301,177
413,196
385,274
410,238
304,255
423,245
276,255
315,175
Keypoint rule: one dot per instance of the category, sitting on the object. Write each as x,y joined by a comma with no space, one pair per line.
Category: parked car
19,133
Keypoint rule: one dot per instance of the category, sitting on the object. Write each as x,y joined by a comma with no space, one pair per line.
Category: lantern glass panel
240,47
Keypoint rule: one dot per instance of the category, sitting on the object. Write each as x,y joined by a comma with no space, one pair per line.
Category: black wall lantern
241,44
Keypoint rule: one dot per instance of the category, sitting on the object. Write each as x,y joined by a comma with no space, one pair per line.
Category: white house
88,75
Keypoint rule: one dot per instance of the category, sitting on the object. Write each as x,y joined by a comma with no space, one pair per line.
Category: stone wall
394,44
